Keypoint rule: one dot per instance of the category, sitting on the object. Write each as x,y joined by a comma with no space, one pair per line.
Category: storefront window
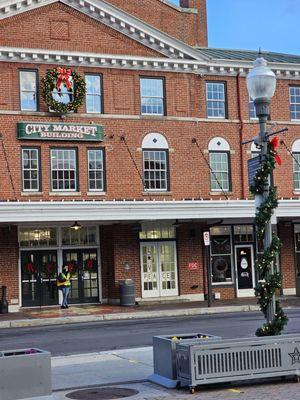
157,231
221,254
38,237
85,236
243,233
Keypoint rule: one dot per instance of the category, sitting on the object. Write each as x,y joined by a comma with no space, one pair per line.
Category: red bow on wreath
64,75
274,144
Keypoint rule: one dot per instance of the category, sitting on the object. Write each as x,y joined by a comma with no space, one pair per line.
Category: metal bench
228,360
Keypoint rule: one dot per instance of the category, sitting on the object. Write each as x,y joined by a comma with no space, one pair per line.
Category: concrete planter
24,374
164,356
230,360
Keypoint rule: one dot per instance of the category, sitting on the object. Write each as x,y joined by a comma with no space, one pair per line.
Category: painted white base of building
289,291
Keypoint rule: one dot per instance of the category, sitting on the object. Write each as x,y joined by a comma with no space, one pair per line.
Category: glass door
149,259
159,269
244,270
84,280
168,269
38,278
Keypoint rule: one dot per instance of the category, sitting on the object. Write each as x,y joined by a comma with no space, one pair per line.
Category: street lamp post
261,84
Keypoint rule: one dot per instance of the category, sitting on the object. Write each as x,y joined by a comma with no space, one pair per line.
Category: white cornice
37,56
115,19
14,212
53,211
71,58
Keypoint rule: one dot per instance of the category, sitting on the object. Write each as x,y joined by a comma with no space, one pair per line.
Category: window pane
95,169
215,100
152,96
93,93
219,175
28,90
295,102
30,169
155,170
63,169
296,167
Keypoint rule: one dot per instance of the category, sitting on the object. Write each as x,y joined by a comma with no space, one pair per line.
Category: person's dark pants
65,292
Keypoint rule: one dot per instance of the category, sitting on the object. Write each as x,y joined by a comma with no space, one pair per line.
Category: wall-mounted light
76,226
127,266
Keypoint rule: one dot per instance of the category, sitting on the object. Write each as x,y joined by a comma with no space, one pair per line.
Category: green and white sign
58,131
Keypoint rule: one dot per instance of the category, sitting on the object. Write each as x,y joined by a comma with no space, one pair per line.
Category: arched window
296,164
155,162
219,151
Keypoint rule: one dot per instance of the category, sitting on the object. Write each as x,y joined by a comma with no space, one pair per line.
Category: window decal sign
59,131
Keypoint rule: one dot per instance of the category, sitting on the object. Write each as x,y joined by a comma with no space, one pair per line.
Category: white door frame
159,292
244,292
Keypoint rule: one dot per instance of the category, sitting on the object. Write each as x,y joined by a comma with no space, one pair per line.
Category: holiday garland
55,80
268,284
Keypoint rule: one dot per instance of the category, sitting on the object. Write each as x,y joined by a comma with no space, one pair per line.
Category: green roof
248,55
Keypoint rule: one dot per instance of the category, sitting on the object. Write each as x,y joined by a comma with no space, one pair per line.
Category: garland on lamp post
268,284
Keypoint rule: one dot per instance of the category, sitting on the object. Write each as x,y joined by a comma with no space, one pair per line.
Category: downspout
241,130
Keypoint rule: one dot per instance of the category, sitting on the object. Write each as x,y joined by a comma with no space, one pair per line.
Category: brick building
132,167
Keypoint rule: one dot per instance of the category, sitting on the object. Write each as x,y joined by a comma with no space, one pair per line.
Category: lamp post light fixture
261,84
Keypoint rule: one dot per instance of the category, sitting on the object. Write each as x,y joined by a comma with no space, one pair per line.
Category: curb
23,323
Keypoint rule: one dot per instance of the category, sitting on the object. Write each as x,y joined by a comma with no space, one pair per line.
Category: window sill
31,193
220,193
297,191
64,193
96,193
158,193
225,284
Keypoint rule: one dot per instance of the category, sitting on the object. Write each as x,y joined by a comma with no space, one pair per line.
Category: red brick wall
61,27
287,254
190,28
9,256
189,249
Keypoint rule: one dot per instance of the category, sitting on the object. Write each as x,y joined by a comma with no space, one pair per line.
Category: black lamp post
261,84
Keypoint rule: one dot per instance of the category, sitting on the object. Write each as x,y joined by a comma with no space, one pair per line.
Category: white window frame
58,180
95,170
37,150
153,79
216,101
213,172
156,171
26,71
296,104
94,94
224,283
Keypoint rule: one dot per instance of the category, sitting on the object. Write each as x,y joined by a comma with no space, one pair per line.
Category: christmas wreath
269,283
29,268
72,267
90,264
50,269
63,89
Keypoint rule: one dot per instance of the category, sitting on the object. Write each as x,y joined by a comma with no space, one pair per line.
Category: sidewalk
100,312
91,374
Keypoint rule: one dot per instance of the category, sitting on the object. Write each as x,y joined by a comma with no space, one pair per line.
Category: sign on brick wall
59,131
193,266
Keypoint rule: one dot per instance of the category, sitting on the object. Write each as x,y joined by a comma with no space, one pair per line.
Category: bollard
4,305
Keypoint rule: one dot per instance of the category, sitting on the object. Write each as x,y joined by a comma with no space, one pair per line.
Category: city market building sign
58,131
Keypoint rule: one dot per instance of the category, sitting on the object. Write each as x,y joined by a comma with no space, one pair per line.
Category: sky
272,25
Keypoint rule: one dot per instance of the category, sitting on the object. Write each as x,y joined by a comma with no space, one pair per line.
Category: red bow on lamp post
64,75
274,144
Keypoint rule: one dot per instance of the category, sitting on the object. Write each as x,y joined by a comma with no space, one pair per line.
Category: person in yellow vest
64,284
